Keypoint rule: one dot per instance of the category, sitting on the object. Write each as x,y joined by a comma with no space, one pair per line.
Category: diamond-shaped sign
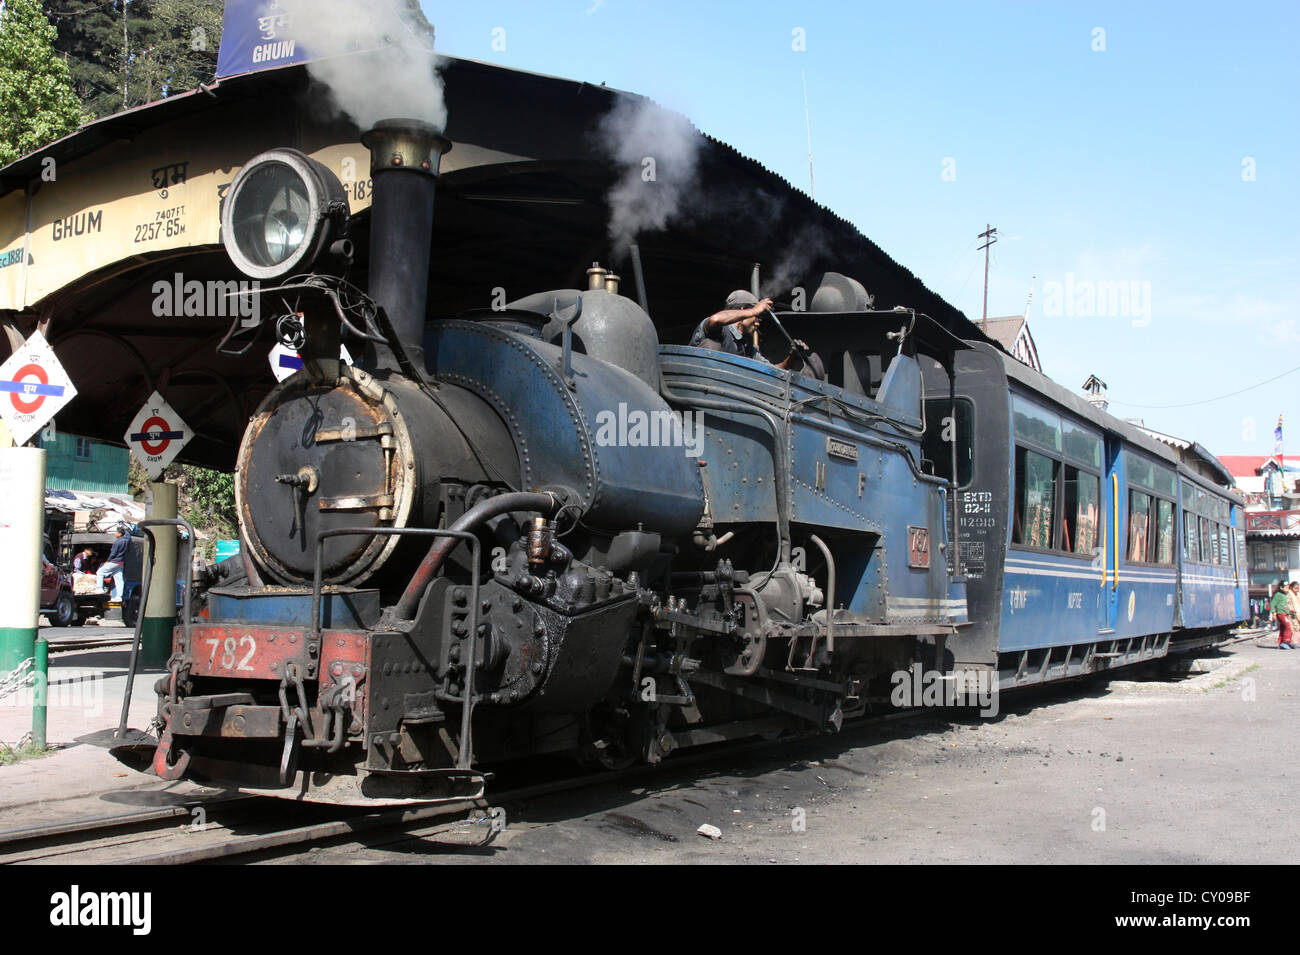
285,361
33,387
157,435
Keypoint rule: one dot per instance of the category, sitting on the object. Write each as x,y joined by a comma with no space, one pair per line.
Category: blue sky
1165,165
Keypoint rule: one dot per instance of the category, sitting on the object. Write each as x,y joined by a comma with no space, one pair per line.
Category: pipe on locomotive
543,502
404,159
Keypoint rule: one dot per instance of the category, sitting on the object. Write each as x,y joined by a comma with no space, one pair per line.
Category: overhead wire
1206,401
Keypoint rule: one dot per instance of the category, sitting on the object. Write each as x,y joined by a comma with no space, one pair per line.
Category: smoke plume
807,246
408,87
657,152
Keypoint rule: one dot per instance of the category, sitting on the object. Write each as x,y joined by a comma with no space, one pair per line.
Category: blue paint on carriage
1210,596
1241,588
1048,600
1213,595
1055,598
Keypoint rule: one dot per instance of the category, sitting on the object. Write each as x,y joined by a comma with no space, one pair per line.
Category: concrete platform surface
1127,771
81,780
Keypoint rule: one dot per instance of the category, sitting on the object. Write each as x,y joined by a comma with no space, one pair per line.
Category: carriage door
1112,534
1238,572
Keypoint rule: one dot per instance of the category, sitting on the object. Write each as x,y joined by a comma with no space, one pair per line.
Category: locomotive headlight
283,210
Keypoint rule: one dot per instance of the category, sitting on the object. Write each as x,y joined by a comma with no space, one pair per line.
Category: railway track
235,826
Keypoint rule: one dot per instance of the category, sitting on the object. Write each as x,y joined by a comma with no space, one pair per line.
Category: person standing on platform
1281,607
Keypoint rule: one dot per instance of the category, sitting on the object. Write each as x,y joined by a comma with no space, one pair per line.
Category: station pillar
160,612
22,489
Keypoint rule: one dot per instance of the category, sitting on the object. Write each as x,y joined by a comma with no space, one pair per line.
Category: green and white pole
22,488
160,613
41,699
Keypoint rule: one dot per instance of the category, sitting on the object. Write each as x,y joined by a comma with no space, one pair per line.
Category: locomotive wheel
607,745
613,757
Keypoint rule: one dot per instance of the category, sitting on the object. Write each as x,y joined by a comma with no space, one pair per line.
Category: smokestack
404,159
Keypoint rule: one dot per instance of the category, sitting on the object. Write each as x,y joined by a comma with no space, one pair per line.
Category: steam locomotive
538,529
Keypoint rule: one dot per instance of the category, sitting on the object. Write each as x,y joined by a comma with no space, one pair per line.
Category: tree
37,101
90,40
123,54
177,46
206,499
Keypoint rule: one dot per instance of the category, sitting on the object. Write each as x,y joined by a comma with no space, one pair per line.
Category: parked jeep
60,603
72,543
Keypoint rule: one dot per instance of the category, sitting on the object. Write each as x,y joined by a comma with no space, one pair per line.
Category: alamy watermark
930,688
71,689
661,428
178,298
1086,299
75,908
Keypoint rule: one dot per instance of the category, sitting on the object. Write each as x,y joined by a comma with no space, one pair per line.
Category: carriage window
1079,526
1164,532
1035,499
1081,445
1139,525
1225,551
943,427
1191,544
1165,482
1036,424
1207,549
1140,470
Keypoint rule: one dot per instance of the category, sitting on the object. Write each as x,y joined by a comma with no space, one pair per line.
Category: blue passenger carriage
1085,542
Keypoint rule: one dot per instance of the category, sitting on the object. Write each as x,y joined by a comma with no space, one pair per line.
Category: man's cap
741,299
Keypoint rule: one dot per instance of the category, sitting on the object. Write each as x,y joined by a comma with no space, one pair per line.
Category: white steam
807,246
657,152
408,86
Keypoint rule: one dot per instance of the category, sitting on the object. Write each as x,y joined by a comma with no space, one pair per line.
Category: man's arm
730,316
794,356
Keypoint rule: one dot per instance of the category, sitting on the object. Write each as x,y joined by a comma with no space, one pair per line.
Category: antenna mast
990,236
807,118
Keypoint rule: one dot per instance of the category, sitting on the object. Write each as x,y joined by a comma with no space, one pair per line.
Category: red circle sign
155,424
27,407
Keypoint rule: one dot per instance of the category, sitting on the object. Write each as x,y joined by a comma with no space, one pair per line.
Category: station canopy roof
522,206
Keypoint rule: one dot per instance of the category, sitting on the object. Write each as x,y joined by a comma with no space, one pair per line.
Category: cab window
946,426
